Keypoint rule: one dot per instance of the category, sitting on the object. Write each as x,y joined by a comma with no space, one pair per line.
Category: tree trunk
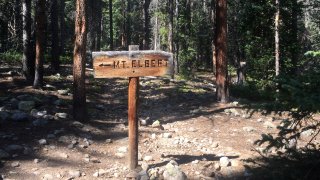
146,37
79,57
156,33
62,26
128,23
177,46
99,25
213,46
221,52
40,42
294,29
111,24
276,37
91,25
170,34
27,60
55,51
17,24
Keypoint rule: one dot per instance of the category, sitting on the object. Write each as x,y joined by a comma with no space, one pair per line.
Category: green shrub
11,57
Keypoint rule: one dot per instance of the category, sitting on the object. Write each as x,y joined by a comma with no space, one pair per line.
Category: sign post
133,98
132,64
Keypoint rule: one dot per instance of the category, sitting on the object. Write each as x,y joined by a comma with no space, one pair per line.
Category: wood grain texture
134,64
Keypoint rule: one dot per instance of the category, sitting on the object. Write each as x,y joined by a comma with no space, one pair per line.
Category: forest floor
180,121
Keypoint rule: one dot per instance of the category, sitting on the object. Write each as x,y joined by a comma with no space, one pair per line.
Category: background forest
273,47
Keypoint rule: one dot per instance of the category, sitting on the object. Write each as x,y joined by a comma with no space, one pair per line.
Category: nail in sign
132,64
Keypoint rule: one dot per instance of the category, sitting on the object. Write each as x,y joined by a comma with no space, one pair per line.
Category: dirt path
180,121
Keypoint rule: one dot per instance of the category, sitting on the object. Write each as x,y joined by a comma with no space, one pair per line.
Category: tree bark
170,34
99,6
111,24
177,45
294,29
55,50
91,25
17,24
79,57
41,19
27,60
62,23
276,37
221,52
146,37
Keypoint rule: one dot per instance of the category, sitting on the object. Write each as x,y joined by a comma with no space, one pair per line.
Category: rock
75,173
144,122
42,141
133,175
26,105
145,166
51,136
4,116
123,149
108,141
143,175
307,133
249,129
64,139
195,161
224,161
36,161
20,117
63,91
4,154
96,174
215,144
95,160
13,148
269,125
167,135
102,172
48,177
156,124
25,97
173,172
235,163
40,122
62,115
15,164
27,151
77,124
120,155
100,107
208,172
64,155
217,166
148,158
292,144
59,102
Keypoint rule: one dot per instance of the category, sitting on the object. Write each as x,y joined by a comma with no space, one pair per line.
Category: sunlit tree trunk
111,24
28,61
41,20
79,57
146,38
221,52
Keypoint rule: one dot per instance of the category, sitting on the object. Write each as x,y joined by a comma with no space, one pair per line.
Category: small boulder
173,172
4,154
224,161
42,141
26,105
20,117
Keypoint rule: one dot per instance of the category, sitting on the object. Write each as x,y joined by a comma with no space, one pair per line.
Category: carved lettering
147,63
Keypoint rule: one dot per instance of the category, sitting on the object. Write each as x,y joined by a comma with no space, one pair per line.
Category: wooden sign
131,63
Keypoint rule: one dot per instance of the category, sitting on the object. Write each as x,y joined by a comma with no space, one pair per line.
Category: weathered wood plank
132,64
